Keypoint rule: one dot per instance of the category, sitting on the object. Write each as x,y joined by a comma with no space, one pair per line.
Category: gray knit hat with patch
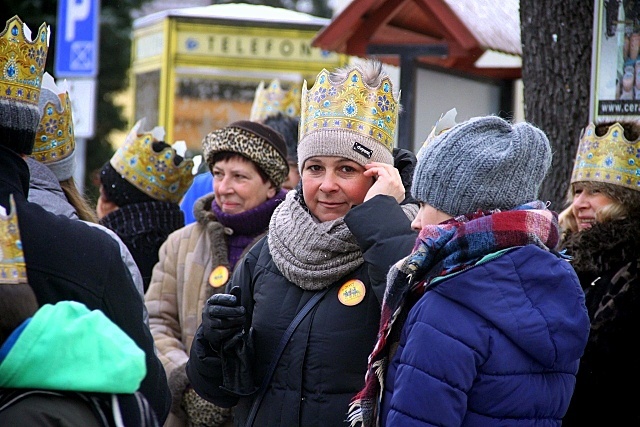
483,163
351,112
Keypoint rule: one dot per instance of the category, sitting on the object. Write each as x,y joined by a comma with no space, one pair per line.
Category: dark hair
158,146
288,126
120,191
631,129
17,303
228,155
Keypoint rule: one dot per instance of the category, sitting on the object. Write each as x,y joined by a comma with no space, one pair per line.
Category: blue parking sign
76,53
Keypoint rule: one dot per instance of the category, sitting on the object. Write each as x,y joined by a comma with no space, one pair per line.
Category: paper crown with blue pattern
609,158
160,175
12,266
55,141
274,99
22,62
349,118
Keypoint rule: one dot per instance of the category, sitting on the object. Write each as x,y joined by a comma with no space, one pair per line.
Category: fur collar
202,209
214,229
605,246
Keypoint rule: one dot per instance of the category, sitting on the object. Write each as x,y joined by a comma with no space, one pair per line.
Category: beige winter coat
177,293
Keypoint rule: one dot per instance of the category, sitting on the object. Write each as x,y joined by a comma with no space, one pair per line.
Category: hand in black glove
405,161
222,318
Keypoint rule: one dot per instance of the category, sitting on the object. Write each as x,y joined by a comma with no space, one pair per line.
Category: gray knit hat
55,141
483,163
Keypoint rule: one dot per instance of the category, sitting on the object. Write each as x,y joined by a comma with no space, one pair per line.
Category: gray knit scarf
310,254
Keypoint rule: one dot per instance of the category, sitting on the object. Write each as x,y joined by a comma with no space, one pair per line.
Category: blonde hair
619,208
77,200
567,221
624,200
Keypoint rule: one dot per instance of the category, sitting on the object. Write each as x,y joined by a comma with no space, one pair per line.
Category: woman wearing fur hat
602,231
276,108
248,161
329,244
483,324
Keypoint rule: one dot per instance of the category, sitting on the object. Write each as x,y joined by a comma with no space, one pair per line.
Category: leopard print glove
201,413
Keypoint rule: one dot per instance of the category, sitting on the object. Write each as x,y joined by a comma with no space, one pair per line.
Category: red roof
465,28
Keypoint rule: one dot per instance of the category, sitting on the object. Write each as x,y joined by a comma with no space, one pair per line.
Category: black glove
222,318
405,161
237,356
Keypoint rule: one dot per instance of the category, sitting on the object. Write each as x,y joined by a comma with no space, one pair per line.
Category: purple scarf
246,226
440,250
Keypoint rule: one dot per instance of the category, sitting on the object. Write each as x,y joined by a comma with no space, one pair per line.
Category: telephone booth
196,69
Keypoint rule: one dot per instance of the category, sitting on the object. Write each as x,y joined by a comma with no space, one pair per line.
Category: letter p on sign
77,38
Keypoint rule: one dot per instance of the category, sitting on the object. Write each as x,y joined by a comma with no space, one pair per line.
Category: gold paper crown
273,100
22,61
12,266
55,138
610,158
350,105
153,173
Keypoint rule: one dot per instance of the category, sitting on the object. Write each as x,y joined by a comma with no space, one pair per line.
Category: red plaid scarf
440,250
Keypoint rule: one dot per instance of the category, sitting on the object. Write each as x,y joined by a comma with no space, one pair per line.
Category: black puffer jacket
607,260
324,363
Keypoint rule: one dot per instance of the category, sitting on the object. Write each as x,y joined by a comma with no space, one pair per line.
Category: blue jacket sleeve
443,378
202,184
439,363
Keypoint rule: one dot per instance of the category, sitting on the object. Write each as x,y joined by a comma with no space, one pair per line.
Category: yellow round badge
219,276
352,292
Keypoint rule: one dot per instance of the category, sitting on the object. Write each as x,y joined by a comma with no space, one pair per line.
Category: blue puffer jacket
494,345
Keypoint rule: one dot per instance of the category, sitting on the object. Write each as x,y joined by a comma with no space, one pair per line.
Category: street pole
81,164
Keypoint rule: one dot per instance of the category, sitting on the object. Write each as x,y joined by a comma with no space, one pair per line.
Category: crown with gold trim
610,158
273,100
350,105
154,173
55,140
22,61
12,266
